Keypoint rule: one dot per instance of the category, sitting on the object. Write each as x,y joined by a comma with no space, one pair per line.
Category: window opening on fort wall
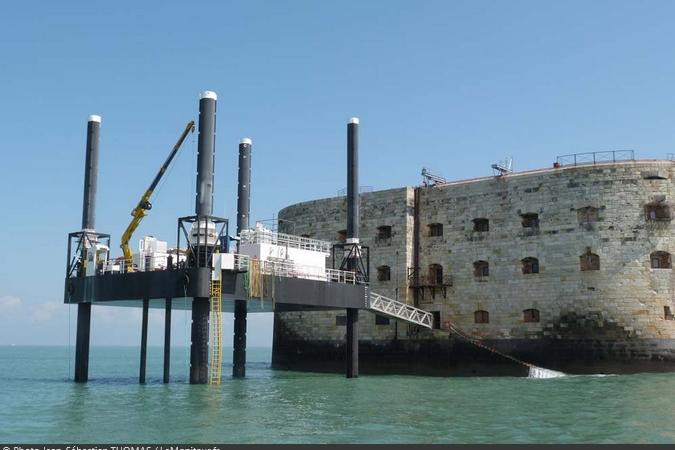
435,229
660,260
653,176
530,265
481,316
435,274
530,221
383,234
588,214
481,269
341,236
381,320
589,261
658,211
437,319
531,315
383,273
668,313
481,225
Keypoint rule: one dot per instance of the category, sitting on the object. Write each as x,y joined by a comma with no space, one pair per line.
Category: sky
450,85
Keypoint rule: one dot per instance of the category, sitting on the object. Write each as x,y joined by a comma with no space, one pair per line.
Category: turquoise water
39,403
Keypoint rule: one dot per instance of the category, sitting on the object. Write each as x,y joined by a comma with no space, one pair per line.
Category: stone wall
620,305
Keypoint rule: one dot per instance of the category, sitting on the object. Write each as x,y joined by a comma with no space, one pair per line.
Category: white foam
94,118
540,372
246,141
354,120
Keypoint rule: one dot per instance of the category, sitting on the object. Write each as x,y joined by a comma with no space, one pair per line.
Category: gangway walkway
376,302
398,310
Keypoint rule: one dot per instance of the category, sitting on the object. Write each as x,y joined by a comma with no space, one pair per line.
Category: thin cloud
44,312
9,304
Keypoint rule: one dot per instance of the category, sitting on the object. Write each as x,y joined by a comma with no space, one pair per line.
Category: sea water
40,403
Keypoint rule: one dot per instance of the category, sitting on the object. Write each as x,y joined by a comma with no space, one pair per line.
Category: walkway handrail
287,268
384,305
265,236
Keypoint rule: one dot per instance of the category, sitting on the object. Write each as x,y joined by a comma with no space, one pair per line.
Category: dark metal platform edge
292,293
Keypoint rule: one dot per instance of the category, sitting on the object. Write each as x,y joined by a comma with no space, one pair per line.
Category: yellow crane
144,204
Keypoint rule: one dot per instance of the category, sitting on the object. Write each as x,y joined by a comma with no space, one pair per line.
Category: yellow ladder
216,334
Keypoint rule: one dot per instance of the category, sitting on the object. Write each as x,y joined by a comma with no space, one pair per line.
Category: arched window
481,225
481,316
435,274
383,273
654,175
530,265
660,260
481,269
587,214
435,229
531,315
589,261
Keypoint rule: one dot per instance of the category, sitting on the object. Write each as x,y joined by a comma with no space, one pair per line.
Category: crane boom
144,204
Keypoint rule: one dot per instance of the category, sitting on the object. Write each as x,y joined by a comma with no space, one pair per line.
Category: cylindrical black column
239,353
352,342
353,223
243,211
353,179
167,339
199,346
244,186
88,223
82,342
206,151
144,341
91,173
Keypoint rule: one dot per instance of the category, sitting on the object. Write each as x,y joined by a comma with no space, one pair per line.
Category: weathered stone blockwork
615,313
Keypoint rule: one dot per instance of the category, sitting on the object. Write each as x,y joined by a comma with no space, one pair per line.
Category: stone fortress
569,268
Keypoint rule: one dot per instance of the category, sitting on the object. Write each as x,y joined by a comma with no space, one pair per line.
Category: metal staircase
216,334
397,310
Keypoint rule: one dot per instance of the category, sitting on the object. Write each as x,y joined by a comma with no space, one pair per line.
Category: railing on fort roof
578,159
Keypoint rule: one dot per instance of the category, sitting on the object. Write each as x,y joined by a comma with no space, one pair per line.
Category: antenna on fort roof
503,167
431,179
